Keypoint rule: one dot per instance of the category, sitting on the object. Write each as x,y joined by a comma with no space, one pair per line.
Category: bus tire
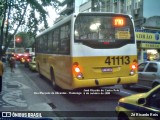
53,79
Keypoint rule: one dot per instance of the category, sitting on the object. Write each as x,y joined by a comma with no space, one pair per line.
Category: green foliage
27,40
26,15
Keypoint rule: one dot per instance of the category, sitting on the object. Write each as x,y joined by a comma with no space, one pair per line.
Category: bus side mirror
141,101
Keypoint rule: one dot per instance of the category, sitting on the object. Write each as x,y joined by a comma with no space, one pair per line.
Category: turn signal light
77,71
134,66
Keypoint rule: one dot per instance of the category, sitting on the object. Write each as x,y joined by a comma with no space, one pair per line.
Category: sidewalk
18,93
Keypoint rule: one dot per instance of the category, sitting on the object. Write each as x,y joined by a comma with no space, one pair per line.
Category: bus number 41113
118,60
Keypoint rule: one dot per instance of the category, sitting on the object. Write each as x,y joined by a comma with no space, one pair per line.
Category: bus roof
56,25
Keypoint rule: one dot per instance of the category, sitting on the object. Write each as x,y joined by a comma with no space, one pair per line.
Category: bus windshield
104,31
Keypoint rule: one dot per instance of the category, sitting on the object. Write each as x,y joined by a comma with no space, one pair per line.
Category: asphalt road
67,102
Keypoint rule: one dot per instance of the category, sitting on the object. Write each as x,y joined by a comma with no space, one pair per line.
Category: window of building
115,7
128,4
108,8
122,6
137,4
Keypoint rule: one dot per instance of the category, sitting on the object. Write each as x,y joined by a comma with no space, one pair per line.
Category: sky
151,8
52,15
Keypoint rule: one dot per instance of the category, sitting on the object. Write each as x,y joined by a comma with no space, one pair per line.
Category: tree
24,40
22,13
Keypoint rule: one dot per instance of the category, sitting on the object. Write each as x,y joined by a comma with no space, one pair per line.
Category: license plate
107,69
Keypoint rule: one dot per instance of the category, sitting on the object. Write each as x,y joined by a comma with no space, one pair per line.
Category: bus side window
45,43
56,41
41,45
50,45
65,38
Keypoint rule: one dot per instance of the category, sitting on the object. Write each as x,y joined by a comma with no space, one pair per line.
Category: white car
32,64
149,74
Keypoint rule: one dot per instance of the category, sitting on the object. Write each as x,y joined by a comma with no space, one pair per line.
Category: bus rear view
103,50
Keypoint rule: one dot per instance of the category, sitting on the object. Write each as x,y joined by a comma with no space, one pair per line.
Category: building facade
146,17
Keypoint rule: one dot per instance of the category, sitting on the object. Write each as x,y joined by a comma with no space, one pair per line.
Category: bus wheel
53,79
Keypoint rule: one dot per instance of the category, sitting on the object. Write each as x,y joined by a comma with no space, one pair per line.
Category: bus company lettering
144,36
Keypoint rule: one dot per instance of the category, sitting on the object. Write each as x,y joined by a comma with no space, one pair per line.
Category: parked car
24,57
18,56
32,64
148,74
144,106
27,60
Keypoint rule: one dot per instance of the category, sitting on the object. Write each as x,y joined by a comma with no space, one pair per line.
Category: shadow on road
138,89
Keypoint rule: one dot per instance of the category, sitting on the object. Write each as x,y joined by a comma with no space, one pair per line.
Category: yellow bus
88,50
